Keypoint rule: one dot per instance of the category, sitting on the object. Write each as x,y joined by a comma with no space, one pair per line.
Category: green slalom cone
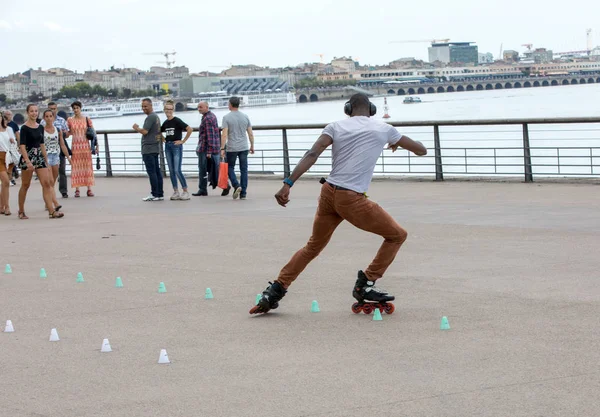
118,283
444,325
8,269
79,277
377,315
162,288
209,294
43,273
258,297
314,308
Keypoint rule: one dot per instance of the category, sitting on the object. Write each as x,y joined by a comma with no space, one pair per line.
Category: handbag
98,162
223,175
90,133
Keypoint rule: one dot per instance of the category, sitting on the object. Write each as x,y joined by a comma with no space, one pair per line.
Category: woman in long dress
82,168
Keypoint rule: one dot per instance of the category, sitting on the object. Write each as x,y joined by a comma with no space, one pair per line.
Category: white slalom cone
9,327
105,346
164,358
54,336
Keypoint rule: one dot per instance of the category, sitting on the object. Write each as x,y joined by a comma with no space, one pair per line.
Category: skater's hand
283,195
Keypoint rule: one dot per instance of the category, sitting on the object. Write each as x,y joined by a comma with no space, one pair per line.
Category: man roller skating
357,143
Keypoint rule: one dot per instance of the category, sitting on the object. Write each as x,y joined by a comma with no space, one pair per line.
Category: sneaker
185,196
226,191
237,192
199,194
176,196
243,197
13,183
149,198
159,198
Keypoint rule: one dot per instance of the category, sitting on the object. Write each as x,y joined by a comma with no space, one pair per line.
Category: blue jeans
174,154
153,170
202,169
243,156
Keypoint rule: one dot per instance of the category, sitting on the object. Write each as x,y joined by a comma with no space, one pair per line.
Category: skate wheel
367,309
389,308
356,308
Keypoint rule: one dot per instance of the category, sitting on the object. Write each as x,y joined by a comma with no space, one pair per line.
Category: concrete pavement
514,267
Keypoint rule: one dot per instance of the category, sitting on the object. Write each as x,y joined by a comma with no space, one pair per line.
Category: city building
510,56
453,52
486,58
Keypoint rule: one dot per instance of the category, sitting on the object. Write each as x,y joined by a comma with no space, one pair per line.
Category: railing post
286,155
163,165
107,156
527,154
439,171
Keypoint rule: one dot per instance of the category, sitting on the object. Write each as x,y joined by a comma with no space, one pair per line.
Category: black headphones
348,108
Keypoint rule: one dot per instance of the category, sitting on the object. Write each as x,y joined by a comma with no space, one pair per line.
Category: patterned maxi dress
82,168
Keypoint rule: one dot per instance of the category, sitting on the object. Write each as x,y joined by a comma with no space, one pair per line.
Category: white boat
96,111
134,106
411,100
215,100
220,99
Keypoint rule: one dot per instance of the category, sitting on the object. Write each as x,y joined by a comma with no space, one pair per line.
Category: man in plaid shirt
209,147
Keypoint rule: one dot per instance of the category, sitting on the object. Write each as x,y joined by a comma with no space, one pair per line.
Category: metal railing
483,148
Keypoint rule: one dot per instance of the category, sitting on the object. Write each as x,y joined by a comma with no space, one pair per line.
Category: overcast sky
211,35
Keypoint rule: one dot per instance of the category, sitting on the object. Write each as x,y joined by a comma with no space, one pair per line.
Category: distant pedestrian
209,144
15,128
173,129
61,123
82,169
55,146
151,143
7,141
34,158
236,125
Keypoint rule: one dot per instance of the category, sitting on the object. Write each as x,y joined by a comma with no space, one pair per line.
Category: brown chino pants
334,207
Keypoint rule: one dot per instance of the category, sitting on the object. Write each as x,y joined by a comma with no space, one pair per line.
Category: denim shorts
53,159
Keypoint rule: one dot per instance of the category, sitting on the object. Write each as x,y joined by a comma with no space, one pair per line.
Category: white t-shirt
5,138
357,144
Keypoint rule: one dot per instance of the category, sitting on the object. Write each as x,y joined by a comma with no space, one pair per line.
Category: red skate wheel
356,308
367,309
389,308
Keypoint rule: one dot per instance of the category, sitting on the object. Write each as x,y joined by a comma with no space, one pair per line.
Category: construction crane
528,45
424,40
166,55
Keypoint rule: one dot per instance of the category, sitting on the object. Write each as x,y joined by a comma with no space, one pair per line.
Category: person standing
151,142
55,146
33,157
209,143
357,143
7,141
82,169
15,128
173,129
61,124
236,125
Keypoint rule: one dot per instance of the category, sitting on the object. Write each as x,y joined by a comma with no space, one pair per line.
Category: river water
466,149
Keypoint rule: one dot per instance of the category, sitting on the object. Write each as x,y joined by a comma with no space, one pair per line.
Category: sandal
90,193
22,215
57,208
56,215
7,212
77,194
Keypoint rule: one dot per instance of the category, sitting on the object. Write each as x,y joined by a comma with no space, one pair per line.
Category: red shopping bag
223,175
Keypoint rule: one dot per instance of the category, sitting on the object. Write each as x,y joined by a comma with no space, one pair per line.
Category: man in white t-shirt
357,143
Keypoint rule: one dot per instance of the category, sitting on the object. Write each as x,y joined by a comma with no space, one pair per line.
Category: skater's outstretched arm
407,143
307,161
